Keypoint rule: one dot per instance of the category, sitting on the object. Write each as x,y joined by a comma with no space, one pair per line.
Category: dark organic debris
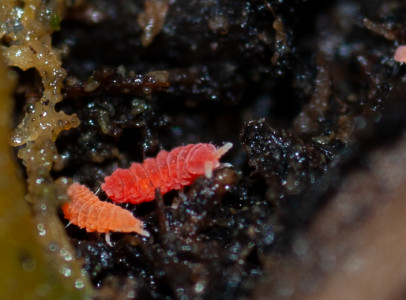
303,89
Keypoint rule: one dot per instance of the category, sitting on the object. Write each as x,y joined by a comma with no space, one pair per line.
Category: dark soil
303,89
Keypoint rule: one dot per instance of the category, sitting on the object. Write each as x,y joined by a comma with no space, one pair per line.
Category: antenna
223,149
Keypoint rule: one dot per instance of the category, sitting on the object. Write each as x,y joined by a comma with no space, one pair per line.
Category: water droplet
65,271
146,90
17,140
79,284
53,247
199,287
41,229
65,254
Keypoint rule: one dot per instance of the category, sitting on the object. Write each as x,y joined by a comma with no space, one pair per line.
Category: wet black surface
299,88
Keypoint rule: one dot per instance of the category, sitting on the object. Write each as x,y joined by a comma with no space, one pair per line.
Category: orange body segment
87,211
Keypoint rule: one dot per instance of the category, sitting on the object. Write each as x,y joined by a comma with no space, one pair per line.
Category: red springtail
168,171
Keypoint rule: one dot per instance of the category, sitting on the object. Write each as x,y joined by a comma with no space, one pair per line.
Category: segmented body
168,171
87,211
